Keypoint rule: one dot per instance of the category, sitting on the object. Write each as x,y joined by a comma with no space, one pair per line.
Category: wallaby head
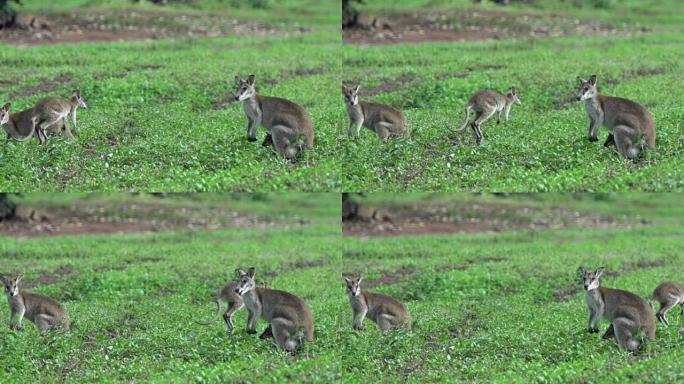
78,100
4,113
591,279
587,88
245,88
245,281
353,285
351,95
512,95
11,284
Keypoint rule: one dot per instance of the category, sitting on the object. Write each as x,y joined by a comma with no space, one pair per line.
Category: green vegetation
161,115
544,147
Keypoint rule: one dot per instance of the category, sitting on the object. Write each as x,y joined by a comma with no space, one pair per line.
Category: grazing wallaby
631,125
382,119
288,123
668,294
386,311
290,318
631,317
20,126
52,114
43,311
233,302
486,103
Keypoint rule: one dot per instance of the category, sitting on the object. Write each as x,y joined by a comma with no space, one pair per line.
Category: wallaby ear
581,80
599,271
513,90
346,279
77,93
592,79
251,79
240,272
251,272
582,270
7,107
356,89
19,277
237,79
358,281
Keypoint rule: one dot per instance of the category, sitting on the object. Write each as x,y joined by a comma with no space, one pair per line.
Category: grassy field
544,147
161,114
495,307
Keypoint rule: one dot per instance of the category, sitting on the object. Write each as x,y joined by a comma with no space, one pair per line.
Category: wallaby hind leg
228,315
382,130
44,323
625,335
624,142
664,309
282,332
386,322
610,332
268,333
610,141
284,142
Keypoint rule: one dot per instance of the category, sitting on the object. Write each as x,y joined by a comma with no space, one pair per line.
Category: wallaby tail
28,137
218,311
465,122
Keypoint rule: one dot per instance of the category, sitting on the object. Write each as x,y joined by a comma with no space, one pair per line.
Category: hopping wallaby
632,126
289,317
20,126
382,119
385,311
486,103
233,302
288,123
631,317
53,112
668,294
44,312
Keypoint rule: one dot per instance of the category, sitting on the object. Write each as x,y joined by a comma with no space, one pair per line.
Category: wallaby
668,294
486,103
385,311
234,303
288,123
289,317
53,112
20,126
43,311
382,119
631,317
632,126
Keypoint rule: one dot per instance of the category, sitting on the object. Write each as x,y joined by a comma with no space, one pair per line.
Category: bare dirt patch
422,218
49,277
85,218
44,86
429,26
565,293
389,85
388,277
123,25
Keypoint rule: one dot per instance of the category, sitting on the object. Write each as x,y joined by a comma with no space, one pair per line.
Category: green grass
505,307
544,147
155,119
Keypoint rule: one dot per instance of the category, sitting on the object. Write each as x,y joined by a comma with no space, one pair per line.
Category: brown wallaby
668,294
233,302
631,317
387,312
290,318
382,119
20,126
52,114
288,123
46,313
632,126
486,103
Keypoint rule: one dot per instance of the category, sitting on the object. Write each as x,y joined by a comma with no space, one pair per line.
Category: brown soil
435,219
93,218
123,25
430,26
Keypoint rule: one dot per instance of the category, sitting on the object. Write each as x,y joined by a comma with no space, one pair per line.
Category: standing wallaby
486,103
43,311
668,294
631,125
382,119
385,311
631,317
288,123
52,114
289,317
20,126
234,303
